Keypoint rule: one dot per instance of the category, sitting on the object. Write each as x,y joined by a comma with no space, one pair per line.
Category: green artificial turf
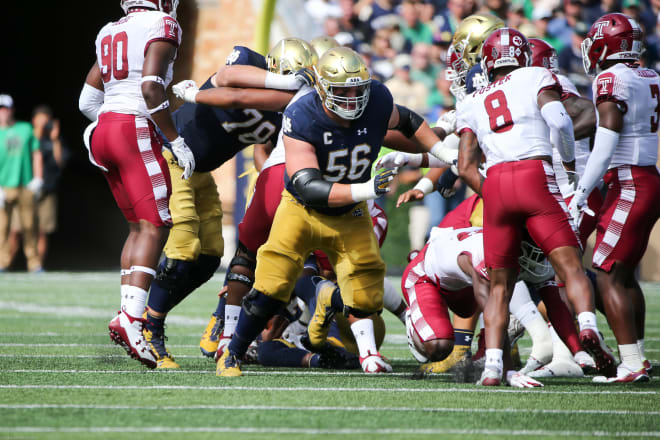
62,378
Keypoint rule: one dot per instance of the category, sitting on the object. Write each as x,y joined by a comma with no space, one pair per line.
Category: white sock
630,356
587,320
231,319
640,345
123,291
494,359
363,330
559,349
542,347
135,300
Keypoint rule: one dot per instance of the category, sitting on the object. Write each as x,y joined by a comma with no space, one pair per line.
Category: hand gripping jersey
214,134
636,91
277,155
120,50
506,118
345,154
443,249
581,146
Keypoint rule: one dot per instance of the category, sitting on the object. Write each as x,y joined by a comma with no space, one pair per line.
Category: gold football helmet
343,82
465,49
289,55
322,44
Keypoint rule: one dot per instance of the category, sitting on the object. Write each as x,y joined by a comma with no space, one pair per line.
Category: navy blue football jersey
475,79
345,154
215,135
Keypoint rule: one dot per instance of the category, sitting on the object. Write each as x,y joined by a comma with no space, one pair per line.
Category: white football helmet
534,266
166,6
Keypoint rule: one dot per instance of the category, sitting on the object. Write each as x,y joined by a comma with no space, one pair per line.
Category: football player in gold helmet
331,139
465,49
323,44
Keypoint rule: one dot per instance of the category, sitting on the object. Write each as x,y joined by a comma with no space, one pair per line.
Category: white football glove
447,121
573,179
444,154
184,156
374,363
35,185
577,208
519,380
186,90
397,159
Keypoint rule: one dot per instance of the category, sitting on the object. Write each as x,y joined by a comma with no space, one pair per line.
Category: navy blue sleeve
247,57
382,97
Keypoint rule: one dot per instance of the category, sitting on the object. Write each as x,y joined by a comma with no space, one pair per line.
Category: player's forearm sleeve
599,160
90,101
561,124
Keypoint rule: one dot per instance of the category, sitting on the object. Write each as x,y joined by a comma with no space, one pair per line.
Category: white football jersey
581,147
120,50
636,90
505,116
441,259
277,155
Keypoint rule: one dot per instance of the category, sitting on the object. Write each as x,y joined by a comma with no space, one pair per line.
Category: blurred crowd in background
405,42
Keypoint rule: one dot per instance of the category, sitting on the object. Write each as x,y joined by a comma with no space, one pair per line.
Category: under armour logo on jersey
362,131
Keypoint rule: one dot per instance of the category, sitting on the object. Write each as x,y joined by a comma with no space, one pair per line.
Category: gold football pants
196,215
348,241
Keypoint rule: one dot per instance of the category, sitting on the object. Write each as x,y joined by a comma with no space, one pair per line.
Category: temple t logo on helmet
290,55
612,37
166,6
343,82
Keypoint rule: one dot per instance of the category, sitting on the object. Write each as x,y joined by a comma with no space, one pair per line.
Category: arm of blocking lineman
92,94
469,158
230,97
156,63
480,285
238,75
303,167
583,114
560,123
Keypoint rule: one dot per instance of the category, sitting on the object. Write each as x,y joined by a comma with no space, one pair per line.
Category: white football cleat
126,331
374,363
624,374
561,367
519,380
490,378
532,365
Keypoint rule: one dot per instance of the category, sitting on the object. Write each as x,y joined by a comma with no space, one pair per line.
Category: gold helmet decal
322,44
289,55
465,48
343,82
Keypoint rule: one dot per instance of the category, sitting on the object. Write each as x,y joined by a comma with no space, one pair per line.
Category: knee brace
244,258
197,273
259,305
173,274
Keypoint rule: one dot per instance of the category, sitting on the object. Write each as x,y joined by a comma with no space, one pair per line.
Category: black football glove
382,181
446,184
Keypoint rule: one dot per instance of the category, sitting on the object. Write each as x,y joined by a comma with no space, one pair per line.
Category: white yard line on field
344,431
330,408
300,372
599,391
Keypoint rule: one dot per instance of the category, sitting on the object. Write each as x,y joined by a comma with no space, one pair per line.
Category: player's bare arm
156,63
480,285
251,76
583,114
234,97
469,158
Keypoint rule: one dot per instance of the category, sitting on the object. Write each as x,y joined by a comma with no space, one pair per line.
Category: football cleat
156,341
647,366
209,342
490,378
223,343
532,365
624,375
586,362
126,332
319,325
374,363
519,380
561,367
459,353
593,342
228,366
